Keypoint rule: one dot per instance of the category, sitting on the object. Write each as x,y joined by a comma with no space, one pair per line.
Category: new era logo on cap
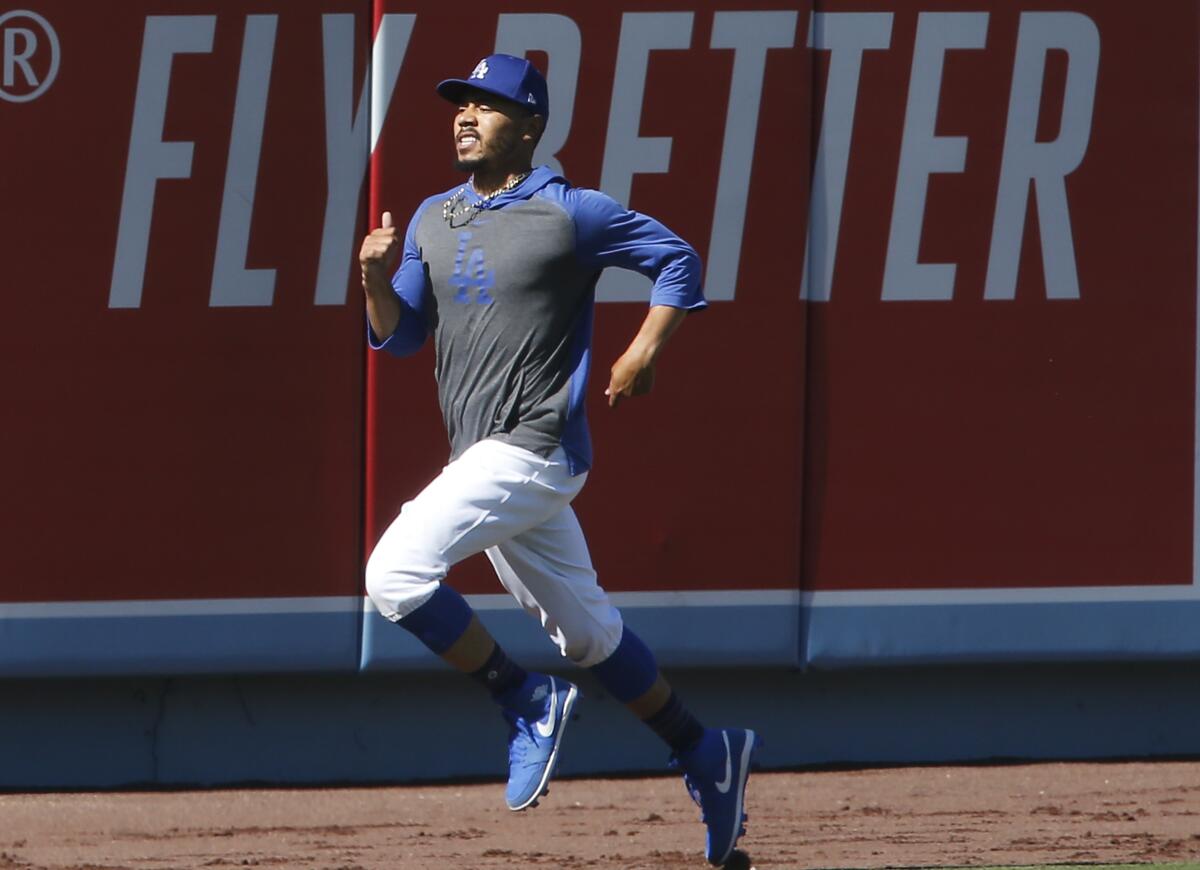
513,78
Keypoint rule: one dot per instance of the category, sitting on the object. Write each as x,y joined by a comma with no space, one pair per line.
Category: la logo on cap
481,70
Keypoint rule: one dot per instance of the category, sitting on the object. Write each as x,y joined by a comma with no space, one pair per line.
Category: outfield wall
404,727
943,408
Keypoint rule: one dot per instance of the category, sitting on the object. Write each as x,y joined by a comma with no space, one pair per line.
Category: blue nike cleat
537,718
715,774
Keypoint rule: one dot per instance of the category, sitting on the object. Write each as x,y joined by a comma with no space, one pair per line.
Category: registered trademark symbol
29,56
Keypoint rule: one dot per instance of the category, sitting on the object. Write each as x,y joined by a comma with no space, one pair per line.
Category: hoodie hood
535,181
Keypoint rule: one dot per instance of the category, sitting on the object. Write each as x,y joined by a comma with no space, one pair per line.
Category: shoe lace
518,742
692,789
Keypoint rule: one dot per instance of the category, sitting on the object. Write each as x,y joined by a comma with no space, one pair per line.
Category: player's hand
632,375
380,251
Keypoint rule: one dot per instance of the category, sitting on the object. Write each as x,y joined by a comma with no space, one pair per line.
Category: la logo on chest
471,279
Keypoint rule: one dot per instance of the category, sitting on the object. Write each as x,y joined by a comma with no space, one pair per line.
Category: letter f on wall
150,158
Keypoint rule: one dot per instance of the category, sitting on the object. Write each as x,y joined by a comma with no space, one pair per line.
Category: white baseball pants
515,506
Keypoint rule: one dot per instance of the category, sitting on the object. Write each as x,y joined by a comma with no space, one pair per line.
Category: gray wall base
67,734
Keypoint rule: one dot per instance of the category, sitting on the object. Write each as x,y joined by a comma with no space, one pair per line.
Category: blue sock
630,671
441,620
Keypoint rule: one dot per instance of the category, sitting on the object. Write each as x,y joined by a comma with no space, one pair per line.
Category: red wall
900,429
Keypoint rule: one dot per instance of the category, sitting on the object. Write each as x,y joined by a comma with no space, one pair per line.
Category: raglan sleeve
608,234
411,286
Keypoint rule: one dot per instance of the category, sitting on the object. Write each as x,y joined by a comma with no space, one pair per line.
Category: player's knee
377,585
587,649
398,583
584,654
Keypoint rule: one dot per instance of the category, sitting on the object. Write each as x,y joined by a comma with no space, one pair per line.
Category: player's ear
535,126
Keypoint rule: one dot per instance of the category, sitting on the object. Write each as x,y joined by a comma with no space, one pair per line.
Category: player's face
487,132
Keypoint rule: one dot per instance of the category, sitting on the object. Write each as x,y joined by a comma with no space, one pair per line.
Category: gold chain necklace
457,212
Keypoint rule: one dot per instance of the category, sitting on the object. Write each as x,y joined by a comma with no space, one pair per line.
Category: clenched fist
632,375
377,257
379,253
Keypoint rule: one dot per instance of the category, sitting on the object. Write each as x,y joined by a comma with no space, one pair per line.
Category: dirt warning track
1009,814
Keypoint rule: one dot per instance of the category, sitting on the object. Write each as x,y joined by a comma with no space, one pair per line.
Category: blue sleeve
411,286
608,234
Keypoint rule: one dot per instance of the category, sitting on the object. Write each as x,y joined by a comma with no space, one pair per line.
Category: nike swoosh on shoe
723,785
545,727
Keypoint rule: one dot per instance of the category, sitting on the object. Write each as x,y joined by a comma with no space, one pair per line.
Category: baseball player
501,271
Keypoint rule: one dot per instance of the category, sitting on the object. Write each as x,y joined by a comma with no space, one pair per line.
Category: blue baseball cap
513,78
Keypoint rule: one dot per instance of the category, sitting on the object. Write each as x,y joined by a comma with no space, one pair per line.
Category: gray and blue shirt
508,298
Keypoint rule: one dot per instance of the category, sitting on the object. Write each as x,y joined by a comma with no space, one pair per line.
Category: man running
502,272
